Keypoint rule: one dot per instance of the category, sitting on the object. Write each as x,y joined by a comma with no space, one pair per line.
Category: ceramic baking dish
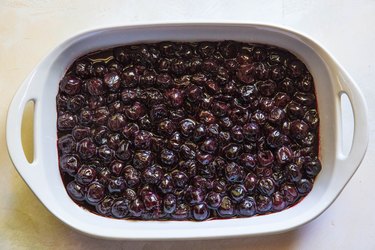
43,177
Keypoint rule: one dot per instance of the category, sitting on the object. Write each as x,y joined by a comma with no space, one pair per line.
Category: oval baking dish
43,176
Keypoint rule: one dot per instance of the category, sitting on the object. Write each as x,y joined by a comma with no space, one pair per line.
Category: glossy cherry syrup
188,131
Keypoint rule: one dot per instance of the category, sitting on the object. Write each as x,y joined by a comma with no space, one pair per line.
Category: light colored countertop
29,29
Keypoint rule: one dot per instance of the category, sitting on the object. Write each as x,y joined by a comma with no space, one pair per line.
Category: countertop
29,29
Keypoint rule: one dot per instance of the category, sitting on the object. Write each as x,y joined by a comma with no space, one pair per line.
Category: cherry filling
188,131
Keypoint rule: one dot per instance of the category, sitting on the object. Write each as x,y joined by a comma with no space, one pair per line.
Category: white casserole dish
43,177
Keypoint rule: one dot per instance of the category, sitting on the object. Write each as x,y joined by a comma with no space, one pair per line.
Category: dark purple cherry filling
188,131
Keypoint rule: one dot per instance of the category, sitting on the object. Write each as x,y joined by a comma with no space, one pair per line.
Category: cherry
76,191
85,175
120,208
70,85
66,121
105,206
247,207
226,208
200,212
66,144
169,203
95,193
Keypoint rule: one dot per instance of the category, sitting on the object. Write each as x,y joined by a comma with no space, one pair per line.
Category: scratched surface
29,29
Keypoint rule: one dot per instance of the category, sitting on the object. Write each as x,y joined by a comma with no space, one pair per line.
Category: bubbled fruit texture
188,131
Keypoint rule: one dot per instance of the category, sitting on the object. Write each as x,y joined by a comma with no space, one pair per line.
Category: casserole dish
43,176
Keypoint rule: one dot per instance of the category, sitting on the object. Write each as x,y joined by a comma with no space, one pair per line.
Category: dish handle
350,162
30,171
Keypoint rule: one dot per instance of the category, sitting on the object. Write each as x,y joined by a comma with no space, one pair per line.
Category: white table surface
29,29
